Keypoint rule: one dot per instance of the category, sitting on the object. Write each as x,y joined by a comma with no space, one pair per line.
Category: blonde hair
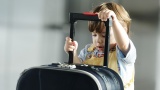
121,13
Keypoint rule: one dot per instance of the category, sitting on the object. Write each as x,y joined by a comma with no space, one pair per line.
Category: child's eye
94,34
103,35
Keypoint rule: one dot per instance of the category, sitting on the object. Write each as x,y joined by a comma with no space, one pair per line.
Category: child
122,53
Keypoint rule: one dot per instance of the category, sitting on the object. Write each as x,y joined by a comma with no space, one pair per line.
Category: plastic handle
90,17
89,14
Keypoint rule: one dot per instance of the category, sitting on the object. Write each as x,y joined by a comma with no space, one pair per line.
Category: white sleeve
130,56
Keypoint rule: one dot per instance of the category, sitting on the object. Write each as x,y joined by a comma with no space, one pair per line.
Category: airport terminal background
32,33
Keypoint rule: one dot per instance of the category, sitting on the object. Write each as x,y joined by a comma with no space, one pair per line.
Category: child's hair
120,12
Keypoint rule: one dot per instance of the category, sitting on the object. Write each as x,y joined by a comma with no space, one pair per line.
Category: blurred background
32,33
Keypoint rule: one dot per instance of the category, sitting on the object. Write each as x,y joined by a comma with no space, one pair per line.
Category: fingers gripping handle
89,17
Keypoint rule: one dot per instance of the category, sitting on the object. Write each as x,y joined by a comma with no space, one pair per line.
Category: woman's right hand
70,45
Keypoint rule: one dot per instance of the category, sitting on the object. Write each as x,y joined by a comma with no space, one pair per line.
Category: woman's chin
101,49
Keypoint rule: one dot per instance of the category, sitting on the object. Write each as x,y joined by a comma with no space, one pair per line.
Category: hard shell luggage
68,76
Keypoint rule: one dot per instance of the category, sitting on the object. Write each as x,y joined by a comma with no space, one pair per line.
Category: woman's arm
120,33
72,46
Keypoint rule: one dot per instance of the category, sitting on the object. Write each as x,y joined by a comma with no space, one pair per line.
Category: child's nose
99,39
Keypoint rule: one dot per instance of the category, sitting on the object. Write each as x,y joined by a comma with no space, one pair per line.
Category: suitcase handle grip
90,17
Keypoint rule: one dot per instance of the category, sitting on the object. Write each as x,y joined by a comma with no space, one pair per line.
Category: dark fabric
29,80
55,80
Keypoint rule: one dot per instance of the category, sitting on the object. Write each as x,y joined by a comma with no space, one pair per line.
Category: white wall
145,39
157,85
24,41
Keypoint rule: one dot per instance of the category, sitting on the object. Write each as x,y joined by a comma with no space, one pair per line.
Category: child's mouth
100,48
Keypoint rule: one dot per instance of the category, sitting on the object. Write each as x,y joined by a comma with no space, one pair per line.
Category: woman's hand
70,45
105,14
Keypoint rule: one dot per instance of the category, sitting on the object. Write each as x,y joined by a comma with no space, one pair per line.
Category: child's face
99,39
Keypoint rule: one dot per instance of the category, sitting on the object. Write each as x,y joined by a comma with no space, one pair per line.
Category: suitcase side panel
29,80
53,78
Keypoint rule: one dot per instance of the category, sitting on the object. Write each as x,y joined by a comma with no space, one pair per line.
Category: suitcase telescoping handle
90,17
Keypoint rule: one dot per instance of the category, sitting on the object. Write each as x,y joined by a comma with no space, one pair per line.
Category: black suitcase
68,76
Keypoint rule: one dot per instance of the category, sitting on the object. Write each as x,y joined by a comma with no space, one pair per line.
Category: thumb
75,44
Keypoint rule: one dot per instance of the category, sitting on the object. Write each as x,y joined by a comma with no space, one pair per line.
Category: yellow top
112,62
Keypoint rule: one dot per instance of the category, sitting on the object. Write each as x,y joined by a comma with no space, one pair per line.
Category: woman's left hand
105,14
